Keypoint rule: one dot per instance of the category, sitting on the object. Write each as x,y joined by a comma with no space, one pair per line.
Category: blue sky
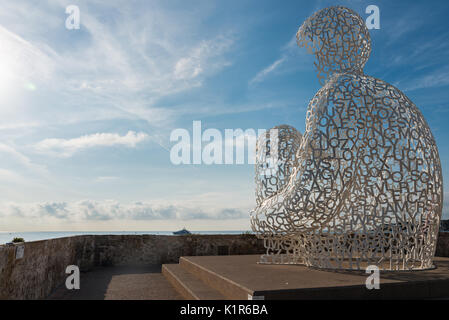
86,115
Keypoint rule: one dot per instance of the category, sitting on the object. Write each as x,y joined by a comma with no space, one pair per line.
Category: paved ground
120,283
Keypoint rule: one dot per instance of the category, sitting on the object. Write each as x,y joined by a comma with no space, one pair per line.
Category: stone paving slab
120,283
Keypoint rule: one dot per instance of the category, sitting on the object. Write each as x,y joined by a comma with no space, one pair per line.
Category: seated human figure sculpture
363,184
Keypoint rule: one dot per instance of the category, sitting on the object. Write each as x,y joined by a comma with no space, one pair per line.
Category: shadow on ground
120,283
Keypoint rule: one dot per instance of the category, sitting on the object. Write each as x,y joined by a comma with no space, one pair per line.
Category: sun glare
20,63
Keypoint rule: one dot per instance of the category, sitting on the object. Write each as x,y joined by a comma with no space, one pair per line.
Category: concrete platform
240,277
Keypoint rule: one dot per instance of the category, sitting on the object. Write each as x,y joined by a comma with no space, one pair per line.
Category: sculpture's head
339,39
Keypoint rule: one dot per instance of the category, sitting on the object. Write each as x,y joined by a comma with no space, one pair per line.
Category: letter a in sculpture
363,185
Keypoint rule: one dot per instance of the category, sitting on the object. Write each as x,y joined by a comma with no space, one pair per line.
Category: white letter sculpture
363,185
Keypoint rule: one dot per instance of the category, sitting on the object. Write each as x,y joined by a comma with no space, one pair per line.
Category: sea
6,236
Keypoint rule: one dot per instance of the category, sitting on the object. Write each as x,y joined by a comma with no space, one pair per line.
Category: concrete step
241,277
188,285
228,288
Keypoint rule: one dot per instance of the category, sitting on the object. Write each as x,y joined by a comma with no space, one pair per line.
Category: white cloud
194,64
437,78
4,148
67,147
90,210
15,125
265,72
289,53
188,68
22,159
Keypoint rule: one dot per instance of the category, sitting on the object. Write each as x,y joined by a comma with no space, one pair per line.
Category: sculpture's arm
320,184
276,152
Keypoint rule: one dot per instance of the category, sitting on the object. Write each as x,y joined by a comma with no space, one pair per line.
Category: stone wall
42,267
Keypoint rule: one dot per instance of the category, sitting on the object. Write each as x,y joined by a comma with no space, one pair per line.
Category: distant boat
182,232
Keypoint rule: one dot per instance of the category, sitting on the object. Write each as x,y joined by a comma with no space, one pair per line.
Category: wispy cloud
67,147
433,79
4,148
198,63
127,62
289,53
21,158
9,176
265,72
106,178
